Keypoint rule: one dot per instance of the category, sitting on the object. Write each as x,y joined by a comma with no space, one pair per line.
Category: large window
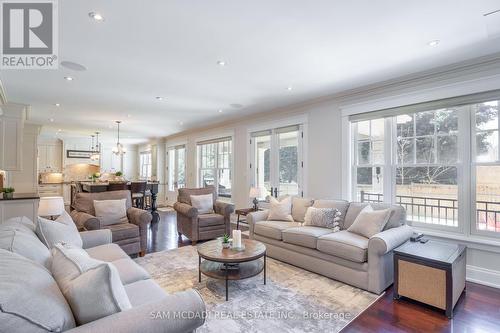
176,168
145,165
215,165
441,164
277,160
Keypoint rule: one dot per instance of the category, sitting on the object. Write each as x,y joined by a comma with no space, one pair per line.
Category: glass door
277,160
176,171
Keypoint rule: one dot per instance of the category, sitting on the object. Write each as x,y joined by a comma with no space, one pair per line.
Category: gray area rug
294,300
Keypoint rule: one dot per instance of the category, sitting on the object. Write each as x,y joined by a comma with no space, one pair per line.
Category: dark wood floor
478,310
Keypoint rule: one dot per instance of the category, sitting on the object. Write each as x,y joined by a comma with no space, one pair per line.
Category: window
215,165
369,160
277,160
442,164
146,165
176,168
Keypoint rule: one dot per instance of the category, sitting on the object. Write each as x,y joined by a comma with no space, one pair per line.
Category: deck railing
441,211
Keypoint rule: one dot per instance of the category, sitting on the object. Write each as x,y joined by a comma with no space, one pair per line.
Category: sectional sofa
32,301
344,256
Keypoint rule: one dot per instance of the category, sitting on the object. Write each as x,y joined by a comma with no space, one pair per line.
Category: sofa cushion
130,271
20,222
273,229
143,292
368,223
92,287
122,231
111,211
344,244
280,210
341,205
30,299
63,229
304,236
25,243
299,208
207,220
397,218
107,252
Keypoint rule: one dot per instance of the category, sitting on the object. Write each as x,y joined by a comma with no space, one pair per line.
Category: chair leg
142,253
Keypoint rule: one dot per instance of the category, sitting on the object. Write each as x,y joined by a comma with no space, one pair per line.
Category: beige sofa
344,256
31,301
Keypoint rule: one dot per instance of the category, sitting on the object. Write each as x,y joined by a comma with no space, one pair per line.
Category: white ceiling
164,48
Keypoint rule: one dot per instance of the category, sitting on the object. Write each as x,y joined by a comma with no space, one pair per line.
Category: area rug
293,300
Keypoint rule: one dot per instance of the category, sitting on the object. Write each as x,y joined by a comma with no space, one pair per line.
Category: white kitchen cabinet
14,208
50,190
11,137
49,158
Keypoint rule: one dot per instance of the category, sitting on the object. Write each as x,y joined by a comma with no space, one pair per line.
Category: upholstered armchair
202,226
131,236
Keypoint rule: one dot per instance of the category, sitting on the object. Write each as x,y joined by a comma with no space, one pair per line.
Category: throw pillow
370,222
323,217
92,287
299,208
204,203
280,210
111,211
30,300
25,243
20,223
62,230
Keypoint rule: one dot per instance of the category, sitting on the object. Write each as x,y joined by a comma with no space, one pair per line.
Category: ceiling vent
493,23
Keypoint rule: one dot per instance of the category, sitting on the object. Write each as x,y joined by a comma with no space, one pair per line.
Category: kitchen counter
22,196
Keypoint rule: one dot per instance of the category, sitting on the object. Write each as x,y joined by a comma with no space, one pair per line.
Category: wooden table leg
238,223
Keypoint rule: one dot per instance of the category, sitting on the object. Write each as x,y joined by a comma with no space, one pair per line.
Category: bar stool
138,190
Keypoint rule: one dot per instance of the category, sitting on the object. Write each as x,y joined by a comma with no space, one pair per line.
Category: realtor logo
29,34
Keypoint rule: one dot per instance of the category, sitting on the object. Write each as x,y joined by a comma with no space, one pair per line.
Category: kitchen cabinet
49,158
50,190
11,137
14,208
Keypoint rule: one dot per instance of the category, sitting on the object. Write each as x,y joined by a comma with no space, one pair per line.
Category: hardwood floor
478,310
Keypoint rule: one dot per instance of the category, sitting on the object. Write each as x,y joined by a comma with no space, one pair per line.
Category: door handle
272,191
276,192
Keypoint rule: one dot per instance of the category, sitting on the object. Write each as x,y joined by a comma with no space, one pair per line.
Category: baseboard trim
483,276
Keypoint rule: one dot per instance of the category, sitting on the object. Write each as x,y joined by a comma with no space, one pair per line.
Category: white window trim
176,162
144,152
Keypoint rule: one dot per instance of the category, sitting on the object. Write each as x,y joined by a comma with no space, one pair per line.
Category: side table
243,212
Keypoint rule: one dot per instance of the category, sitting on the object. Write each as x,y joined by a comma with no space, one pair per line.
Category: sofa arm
185,209
139,217
224,208
94,238
85,221
388,240
255,217
180,312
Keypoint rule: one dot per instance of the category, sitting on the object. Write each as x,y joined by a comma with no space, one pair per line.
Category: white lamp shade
257,192
50,206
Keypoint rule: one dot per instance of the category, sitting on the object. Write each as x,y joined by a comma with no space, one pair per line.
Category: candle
237,238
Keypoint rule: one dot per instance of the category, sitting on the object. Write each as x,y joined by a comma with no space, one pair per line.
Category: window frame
216,168
149,166
173,184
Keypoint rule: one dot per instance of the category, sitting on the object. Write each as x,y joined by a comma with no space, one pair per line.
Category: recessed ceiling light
73,66
181,123
289,88
159,98
57,104
220,111
51,120
221,63
68,78
96,16
434,42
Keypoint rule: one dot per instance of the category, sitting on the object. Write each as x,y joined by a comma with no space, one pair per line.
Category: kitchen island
22,204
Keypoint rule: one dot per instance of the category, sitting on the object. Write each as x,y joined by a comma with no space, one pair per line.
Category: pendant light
96,150
119,150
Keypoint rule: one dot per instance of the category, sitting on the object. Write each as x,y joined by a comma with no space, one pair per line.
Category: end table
243,212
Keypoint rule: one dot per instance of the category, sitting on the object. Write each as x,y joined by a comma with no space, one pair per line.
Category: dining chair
138,190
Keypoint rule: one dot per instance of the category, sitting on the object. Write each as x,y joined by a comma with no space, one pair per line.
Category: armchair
131,236
197,226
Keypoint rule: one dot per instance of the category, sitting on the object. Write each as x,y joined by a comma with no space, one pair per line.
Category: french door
176,170
277,160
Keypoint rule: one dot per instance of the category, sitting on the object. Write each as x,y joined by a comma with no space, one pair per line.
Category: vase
8,195
226,245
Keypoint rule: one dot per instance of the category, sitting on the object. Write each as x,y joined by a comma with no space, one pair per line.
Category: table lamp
256,193
51,206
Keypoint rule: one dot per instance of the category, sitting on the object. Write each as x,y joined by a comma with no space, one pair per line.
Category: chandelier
96,150
119,149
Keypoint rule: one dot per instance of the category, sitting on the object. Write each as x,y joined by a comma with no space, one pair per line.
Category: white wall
327,163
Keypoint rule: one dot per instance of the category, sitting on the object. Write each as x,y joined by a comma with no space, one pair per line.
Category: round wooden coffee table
229,264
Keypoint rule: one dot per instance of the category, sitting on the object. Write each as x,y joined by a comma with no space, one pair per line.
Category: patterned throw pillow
323,217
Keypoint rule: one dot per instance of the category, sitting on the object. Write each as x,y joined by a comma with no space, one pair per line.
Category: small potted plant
95,176
226,244
8,192
119,176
